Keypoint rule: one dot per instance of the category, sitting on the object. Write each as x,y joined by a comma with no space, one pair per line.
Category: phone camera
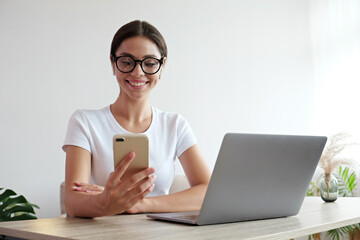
120,139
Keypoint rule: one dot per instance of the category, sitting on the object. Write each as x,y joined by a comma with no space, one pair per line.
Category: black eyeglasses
149,65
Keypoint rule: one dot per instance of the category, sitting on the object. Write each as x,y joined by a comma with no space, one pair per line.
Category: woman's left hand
95,189
88,188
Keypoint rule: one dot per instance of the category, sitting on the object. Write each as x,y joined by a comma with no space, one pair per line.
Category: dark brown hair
139,28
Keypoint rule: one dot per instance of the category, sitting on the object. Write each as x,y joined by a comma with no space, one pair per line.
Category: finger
151,179
88,186
87,190
141,196
121,168
124,163
80,189
138,177
139,189
93,188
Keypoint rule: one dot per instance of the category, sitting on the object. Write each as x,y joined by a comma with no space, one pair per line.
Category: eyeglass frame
115,59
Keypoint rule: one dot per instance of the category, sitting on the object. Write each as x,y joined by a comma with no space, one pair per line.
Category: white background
233,66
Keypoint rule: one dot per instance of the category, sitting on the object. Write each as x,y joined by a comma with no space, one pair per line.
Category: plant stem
327,182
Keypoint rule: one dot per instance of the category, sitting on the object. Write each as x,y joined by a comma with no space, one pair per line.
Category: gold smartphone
137,143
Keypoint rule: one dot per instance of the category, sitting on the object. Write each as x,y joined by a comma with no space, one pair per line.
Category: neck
132,111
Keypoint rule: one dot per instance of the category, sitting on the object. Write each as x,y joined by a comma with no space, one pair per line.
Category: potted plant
347,182
331,184
329,161
14,207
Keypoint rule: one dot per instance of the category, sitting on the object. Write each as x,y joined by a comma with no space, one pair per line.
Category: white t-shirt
169,136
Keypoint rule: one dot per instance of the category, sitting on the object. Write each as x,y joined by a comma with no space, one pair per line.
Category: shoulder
87,114
168,117
87,118
170,122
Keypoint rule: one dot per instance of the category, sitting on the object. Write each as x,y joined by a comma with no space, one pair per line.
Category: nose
137,70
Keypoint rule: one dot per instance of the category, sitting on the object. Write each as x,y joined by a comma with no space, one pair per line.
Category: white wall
235,65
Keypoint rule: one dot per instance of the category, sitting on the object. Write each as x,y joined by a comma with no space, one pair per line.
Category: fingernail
153,177
151,170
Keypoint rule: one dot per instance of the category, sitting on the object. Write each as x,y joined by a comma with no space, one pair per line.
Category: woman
138,55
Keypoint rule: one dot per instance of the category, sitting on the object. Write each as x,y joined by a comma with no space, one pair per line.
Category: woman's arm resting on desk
117,196
190,199
198,175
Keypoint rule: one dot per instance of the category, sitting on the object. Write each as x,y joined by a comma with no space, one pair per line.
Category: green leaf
6,194
13,201
35,206
352,182
357,226
24,216
334,234
20,208
345,173
347,182
313,190
14,207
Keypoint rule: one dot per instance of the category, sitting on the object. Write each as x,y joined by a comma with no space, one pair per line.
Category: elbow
74,206
69,209
203,185
82,205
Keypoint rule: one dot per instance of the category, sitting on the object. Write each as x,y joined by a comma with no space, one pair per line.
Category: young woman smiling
93,187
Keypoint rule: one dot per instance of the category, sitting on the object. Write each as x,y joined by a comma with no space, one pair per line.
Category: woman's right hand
122,193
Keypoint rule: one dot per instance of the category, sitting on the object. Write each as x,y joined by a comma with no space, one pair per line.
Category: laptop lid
256,176
259,176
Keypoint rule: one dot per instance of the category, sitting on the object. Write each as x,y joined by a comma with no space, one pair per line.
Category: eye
150,63
125,61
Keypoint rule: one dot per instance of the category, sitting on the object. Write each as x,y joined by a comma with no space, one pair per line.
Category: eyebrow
130,55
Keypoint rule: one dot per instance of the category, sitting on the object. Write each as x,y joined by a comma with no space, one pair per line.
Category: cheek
119,77
154,79
113,67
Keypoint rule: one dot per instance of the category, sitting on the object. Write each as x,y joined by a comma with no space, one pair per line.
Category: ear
164,61
162,66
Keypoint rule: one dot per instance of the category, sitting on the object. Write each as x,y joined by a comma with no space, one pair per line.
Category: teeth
137,84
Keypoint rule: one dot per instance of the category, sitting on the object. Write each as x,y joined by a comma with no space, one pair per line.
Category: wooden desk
315,216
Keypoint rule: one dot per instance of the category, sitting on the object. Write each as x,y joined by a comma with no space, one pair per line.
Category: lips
137,83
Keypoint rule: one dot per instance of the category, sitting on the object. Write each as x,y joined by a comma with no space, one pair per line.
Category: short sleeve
185,136
78,133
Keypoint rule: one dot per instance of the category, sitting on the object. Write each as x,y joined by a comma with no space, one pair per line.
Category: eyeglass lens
148,65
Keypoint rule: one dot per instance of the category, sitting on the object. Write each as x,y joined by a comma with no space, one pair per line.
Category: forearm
79,204
188,200
118,195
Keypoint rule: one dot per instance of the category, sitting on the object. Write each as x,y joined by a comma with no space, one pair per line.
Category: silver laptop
256,177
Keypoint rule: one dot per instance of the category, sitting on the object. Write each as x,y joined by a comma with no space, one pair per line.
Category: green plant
13,207
313,190
338,233
330,160
347,182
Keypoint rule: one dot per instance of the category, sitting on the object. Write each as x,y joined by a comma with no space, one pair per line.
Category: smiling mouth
137,84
